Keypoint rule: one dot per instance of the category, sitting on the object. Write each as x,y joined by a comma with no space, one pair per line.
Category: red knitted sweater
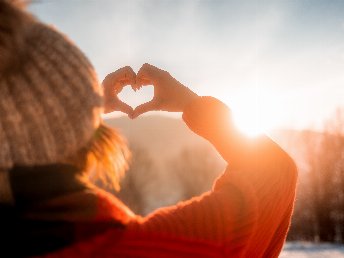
247,214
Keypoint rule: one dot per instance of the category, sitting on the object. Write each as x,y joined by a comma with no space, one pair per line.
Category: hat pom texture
51,99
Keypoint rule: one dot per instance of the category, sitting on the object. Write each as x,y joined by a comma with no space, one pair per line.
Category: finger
142,81
124,107
147,75
126,76
120,78
143,108
129,76
149,69
117,105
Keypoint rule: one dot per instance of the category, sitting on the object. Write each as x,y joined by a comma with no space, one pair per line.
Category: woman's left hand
112,85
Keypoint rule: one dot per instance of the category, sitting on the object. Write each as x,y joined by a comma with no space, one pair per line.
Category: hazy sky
278,63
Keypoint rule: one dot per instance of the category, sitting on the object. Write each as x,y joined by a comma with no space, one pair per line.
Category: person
54,145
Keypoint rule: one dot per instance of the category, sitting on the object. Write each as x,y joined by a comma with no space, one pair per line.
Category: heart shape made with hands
158,91
136,98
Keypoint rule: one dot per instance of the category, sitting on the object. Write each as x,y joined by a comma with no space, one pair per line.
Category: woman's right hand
169,94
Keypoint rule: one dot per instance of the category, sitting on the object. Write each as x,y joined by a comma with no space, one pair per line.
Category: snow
312,250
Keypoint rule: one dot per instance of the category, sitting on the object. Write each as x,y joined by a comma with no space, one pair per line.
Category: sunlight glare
255,112
250,126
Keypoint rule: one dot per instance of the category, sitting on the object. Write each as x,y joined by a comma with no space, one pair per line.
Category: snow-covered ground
311,250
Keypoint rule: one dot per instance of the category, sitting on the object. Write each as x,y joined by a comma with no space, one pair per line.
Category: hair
105,160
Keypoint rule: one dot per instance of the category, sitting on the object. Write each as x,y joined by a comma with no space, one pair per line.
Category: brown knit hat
51,100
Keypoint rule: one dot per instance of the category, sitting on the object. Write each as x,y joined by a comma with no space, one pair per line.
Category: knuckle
108,77
129,69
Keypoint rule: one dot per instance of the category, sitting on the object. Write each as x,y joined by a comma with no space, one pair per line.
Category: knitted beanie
51,100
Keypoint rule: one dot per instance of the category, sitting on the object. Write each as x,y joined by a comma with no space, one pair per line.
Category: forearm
247,201
211,119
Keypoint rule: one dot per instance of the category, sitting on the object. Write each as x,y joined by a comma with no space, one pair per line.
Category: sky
274,63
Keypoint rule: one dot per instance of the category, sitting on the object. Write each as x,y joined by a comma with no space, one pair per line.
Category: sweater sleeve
246,214
250,204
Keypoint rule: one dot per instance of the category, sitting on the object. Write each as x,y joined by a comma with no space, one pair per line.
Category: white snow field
312,250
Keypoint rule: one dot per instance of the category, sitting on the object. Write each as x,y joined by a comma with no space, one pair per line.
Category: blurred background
277,64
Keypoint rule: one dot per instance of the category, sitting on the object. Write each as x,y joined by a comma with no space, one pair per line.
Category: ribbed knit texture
247,214
50,96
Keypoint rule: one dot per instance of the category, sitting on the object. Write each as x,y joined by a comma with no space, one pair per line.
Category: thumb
125,108
143,108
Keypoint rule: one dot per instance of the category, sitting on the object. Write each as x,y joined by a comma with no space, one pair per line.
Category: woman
54,145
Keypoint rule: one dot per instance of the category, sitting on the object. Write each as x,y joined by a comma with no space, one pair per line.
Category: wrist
189,97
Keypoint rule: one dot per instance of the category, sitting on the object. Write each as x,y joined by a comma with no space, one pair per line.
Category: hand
169,94
112,85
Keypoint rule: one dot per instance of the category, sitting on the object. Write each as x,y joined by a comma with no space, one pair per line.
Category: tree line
319,209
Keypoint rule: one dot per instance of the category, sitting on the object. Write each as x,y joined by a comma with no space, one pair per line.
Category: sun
255,112
251,122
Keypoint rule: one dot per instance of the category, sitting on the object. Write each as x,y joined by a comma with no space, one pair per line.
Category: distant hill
164,140
161,136
164,137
